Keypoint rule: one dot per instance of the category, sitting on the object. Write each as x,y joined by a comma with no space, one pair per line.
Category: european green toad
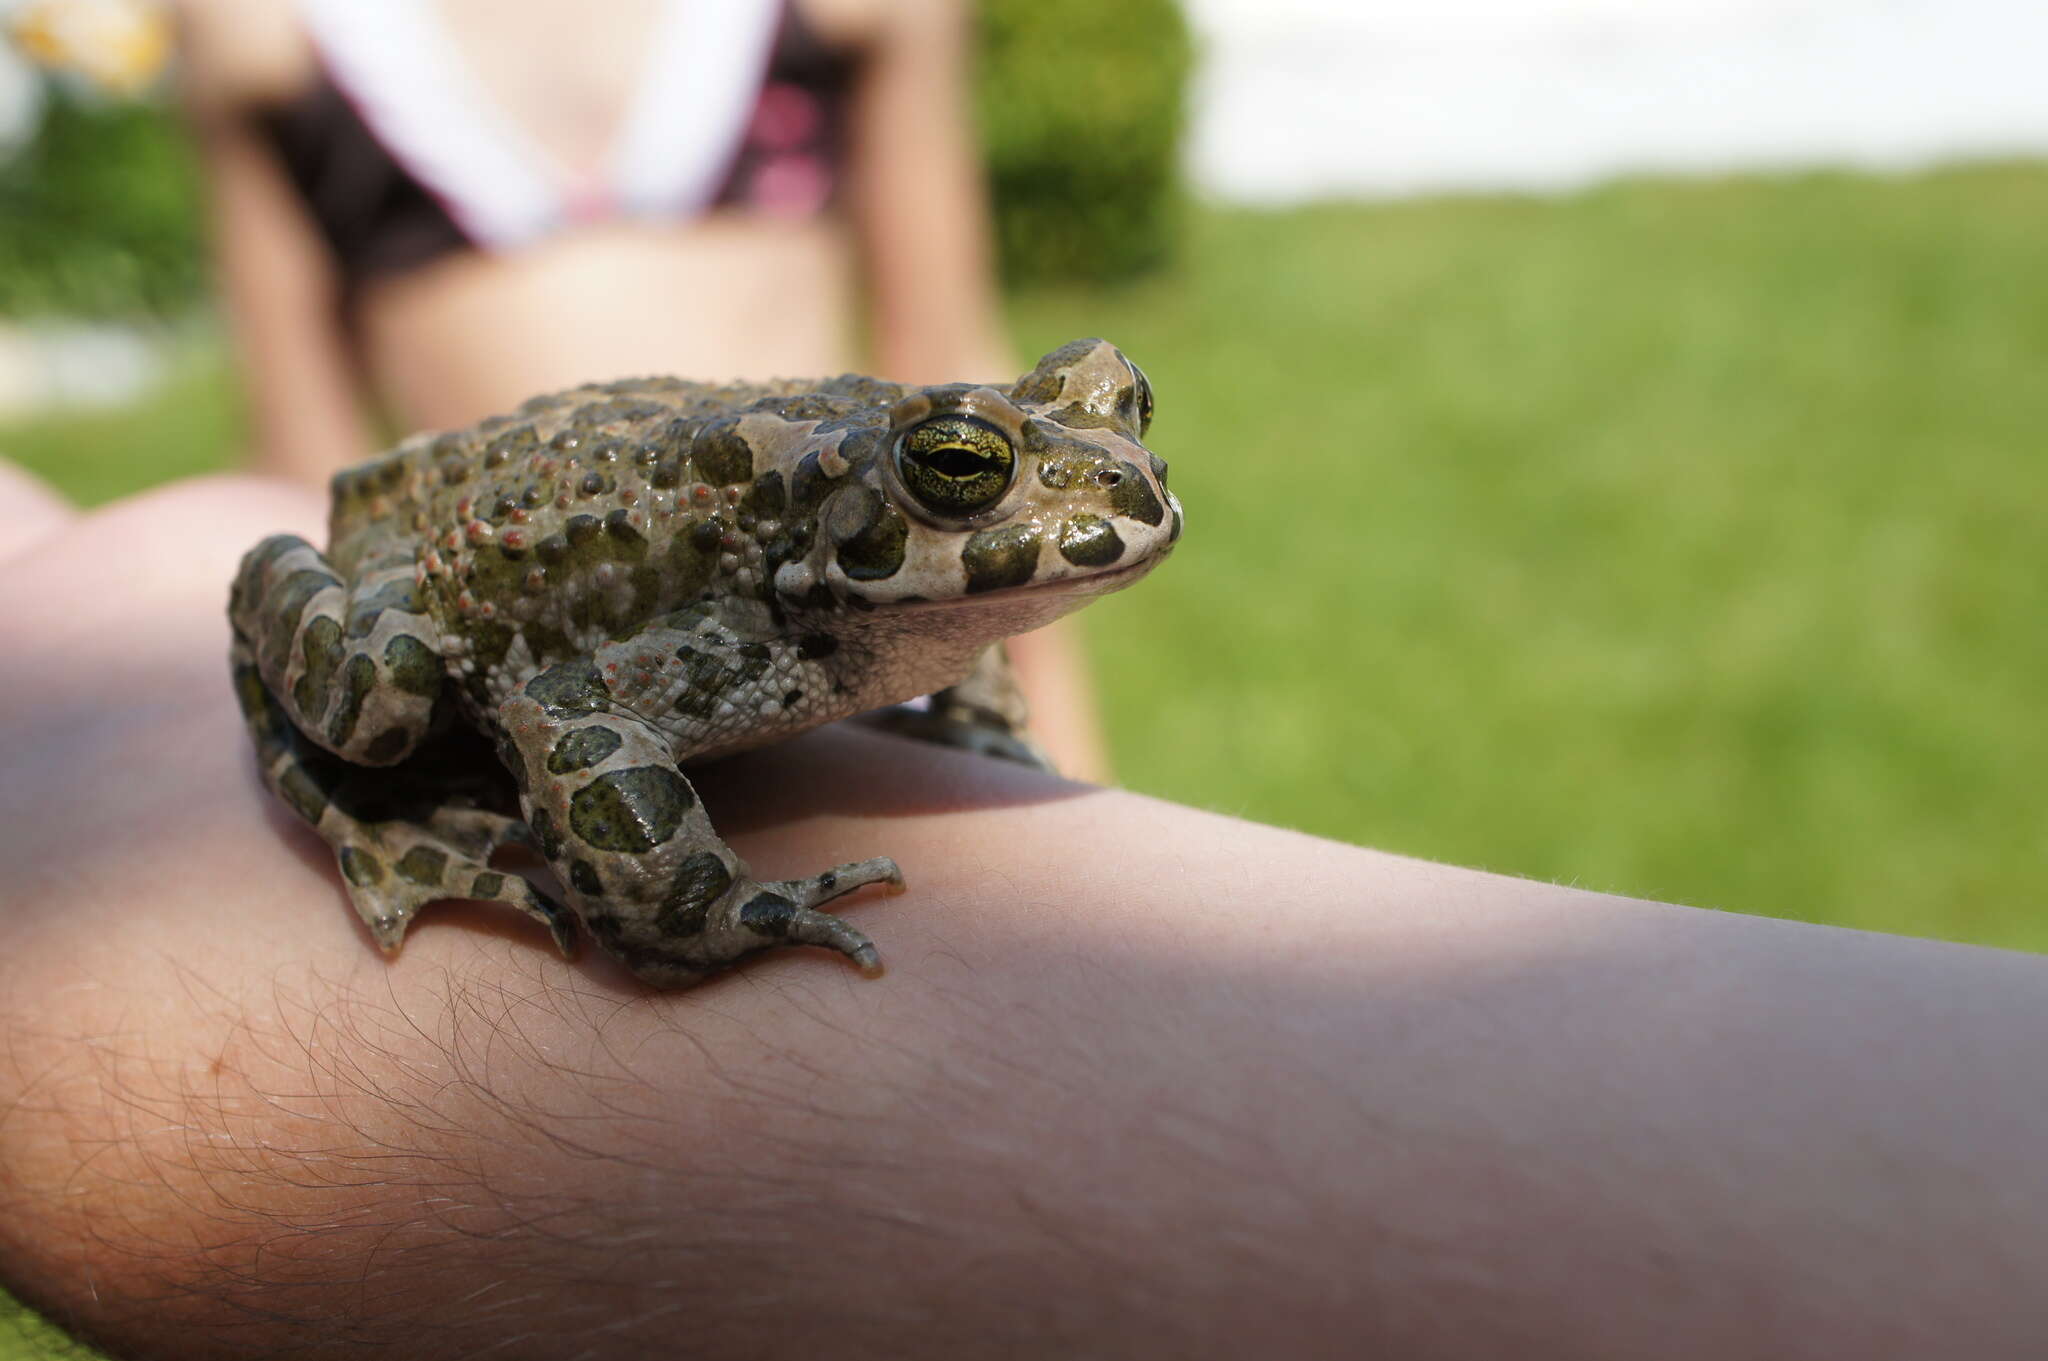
520,631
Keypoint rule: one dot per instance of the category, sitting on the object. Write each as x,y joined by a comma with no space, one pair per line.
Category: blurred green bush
99,213
1081,106
1081,110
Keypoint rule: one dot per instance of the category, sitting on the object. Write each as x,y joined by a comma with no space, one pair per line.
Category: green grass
25,1337
1682,540
189,424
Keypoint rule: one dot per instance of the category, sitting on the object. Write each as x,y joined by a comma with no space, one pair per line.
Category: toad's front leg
620,825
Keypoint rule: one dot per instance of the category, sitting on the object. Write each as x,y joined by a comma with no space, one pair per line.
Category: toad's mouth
1086,583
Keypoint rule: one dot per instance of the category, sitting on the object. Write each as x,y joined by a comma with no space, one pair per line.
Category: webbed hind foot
405,835
393,869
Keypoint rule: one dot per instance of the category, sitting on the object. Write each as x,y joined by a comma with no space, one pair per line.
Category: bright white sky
1312,98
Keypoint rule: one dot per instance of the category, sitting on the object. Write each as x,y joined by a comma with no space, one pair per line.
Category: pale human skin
722,297
1139,1080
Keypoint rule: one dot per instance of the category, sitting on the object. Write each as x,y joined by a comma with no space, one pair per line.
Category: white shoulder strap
696,97
394,62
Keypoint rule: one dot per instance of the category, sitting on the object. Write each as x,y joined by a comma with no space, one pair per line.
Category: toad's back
533,536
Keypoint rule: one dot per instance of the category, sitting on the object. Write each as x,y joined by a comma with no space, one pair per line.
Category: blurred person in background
434,209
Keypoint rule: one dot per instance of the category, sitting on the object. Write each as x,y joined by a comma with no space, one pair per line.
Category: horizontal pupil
954,461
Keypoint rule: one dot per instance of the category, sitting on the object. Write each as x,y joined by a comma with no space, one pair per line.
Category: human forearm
1138,1080
1194,1087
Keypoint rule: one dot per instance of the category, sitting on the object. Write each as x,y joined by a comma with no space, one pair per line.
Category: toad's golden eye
1143,395
956,466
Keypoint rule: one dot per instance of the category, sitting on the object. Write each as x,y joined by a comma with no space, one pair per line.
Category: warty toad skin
520,632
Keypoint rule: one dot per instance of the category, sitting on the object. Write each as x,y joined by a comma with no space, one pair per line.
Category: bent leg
355,665
656,886
404,836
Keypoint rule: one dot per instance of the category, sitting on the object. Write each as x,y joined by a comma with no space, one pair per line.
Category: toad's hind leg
354,663
406,835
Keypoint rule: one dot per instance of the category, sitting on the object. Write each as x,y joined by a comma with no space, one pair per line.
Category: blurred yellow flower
119,45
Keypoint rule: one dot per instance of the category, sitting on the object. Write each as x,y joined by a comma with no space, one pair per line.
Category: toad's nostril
1108,478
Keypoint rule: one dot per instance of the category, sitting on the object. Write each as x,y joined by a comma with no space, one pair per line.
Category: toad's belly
720,298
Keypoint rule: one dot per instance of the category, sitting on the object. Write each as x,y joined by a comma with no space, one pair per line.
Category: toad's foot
786,909
752,915
393,869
